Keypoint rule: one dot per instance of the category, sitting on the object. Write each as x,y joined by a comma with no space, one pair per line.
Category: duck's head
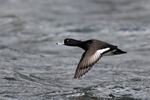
71,42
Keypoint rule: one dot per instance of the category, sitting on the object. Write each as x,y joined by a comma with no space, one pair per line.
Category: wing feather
88,59
86,63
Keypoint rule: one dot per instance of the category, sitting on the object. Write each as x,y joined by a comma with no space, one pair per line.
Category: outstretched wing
88,59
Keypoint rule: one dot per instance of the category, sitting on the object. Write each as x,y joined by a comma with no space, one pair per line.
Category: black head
71,42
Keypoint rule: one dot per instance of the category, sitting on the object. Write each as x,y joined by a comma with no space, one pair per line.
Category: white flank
102,50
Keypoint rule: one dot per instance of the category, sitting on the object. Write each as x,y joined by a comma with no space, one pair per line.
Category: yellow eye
67,40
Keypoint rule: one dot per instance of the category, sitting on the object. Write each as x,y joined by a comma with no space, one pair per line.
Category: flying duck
94,50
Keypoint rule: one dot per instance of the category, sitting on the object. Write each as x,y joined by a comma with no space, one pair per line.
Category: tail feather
113,51
118,51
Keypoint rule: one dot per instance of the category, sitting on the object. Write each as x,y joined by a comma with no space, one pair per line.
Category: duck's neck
78,43
83,45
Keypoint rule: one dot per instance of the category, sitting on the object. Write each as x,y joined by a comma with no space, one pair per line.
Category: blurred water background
33,67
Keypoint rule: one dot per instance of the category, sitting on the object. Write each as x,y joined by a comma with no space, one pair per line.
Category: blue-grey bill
59,43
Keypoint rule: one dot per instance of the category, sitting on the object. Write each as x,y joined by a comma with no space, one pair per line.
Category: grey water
33,67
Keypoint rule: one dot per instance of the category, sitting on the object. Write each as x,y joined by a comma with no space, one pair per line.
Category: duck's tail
113,51
118,51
